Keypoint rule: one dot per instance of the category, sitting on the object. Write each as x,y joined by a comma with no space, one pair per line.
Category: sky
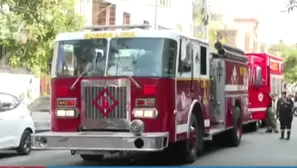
274,24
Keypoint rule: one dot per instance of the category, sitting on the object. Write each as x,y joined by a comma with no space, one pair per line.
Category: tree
201,17
291,4
31,27
289,53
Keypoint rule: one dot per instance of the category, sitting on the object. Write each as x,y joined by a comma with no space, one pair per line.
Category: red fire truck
143,90
266,77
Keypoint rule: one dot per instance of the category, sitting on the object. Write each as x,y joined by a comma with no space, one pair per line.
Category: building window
164,3
126,18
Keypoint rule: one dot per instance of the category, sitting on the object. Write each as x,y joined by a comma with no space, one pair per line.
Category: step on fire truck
127,88
266,78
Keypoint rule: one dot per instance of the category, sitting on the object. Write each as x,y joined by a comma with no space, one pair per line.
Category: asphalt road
258,148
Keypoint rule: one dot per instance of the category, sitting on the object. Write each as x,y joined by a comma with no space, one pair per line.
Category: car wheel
25,146
92,157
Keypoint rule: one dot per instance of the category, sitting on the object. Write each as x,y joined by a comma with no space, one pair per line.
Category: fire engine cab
138,90
266,78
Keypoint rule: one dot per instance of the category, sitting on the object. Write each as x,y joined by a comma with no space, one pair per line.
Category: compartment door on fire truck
218,90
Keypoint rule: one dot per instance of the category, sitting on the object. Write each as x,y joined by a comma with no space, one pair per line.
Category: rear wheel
232,137
254,126
235,134
91,157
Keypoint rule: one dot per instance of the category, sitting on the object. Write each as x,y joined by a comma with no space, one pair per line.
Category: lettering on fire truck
205,86
110,35
243,71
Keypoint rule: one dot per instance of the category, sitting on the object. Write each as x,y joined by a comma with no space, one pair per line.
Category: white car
16,124
40,110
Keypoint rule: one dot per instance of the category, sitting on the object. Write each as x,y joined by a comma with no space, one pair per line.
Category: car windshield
126,57
41,104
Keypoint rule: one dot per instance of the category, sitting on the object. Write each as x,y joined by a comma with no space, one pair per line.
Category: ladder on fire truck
114,27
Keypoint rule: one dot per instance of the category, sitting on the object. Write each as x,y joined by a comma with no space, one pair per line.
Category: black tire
232,137
235,133
25,146
254,126
92,157
199,138
185,151
263,124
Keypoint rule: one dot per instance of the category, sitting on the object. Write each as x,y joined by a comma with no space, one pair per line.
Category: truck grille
92,95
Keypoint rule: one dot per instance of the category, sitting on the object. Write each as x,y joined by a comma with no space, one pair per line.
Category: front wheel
186,151
86,157
25,143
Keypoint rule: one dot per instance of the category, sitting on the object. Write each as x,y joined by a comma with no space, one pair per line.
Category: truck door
184,76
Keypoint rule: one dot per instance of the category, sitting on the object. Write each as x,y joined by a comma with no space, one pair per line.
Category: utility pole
156,15
205,17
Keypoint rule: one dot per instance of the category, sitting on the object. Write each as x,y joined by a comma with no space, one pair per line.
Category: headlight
137,127
145,113
66,113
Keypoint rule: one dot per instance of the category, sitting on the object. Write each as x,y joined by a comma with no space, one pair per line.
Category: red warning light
149,89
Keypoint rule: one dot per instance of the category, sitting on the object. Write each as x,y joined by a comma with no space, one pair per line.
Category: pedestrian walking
270,117
285,114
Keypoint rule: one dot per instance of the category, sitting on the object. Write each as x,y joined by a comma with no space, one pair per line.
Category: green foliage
211,35
289,53
291,5
31,27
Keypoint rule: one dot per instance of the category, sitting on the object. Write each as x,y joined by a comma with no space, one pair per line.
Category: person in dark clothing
270,117
285,115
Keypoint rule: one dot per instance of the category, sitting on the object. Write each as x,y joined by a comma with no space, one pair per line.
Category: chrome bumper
101,141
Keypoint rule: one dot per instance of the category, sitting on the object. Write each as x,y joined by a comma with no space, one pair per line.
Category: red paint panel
165,103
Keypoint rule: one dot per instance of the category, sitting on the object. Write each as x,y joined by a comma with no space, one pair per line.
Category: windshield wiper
87,68
130,77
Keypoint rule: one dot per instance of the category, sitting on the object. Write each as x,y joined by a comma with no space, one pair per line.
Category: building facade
243,33
163,14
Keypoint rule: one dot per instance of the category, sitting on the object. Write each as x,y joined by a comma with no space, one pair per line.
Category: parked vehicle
266,77
40,110
143,91
16,124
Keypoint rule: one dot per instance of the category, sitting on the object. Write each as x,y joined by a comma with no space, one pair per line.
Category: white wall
84,8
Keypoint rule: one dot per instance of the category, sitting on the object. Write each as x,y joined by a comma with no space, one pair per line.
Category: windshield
72,57
126,57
